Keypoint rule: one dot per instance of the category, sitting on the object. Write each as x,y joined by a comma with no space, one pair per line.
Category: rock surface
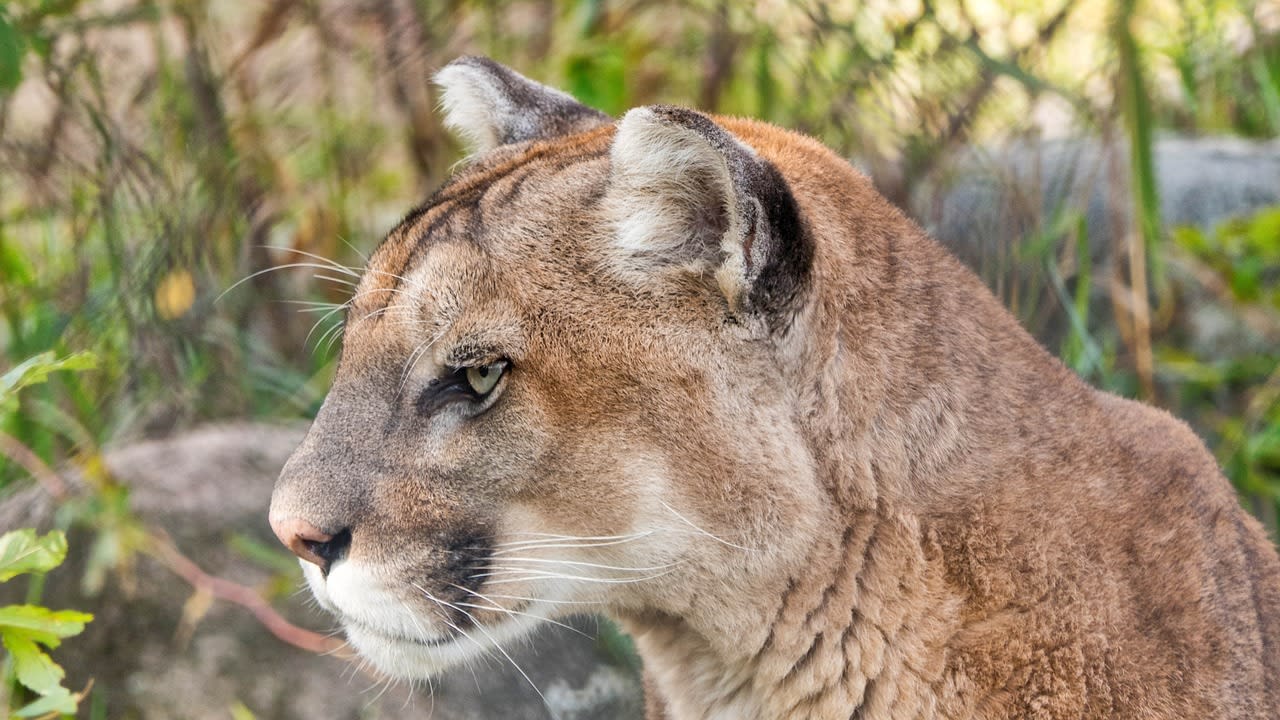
985,200
1008,212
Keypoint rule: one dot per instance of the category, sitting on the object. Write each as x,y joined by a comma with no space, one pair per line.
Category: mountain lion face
539,408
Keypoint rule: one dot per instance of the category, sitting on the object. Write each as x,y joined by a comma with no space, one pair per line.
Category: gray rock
1002,212
984,201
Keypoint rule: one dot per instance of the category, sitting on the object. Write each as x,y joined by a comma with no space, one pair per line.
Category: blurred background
176,176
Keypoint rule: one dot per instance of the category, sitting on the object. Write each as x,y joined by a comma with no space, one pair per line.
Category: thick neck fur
847,633
908,389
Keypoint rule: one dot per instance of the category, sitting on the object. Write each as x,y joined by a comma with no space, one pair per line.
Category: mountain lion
694,373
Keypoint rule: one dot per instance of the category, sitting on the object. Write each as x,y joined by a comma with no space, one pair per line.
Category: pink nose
307,541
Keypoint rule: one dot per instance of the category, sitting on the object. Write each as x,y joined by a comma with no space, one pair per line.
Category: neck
838,637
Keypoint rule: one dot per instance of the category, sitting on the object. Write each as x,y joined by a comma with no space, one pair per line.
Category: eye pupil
483,379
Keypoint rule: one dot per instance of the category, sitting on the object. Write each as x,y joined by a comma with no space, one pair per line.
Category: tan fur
899,506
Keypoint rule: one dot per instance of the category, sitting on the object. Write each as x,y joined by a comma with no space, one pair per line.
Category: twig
162,548
53,483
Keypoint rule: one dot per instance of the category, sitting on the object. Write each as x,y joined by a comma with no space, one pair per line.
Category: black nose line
332,550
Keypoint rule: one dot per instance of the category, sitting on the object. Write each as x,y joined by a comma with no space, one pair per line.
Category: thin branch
51,481
162,548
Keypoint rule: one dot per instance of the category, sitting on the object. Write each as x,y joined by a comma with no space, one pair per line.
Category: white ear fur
469,103
672,201
489,104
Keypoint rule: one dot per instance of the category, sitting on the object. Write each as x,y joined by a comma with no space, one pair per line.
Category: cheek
499,451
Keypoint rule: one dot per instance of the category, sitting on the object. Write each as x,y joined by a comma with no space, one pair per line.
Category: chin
400,635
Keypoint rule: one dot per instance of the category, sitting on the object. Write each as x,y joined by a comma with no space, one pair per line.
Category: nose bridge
322,483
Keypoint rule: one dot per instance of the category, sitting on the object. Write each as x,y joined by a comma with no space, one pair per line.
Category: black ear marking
493,105
789,257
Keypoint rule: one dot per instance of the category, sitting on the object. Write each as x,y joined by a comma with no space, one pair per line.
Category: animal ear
685,193
490,105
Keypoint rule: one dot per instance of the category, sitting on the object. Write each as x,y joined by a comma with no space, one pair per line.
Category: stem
159,546
13,449
163,549
1143,242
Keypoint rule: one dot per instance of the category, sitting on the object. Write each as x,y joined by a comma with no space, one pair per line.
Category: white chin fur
402,639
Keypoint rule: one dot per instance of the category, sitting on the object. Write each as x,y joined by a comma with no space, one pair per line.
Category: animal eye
484,378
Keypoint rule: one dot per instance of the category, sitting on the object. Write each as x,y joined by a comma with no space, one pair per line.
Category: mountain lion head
566,382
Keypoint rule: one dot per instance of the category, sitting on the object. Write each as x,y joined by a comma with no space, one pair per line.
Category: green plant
28,631
1231,390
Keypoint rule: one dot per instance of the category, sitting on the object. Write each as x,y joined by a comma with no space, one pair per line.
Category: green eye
484,378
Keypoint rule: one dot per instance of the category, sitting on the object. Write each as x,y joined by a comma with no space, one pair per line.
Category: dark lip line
431,642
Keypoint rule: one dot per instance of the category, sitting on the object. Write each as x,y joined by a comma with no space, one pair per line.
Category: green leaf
11,51
33,667
15,270
35,370
45,622
59,701
21,551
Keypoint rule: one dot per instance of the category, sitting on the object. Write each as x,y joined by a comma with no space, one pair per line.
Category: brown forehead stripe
409,240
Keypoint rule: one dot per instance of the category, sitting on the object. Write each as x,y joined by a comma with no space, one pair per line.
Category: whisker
326,337
274,268
700,531
386,684
579,563
340,281
330,336
322,318
315,303
415,356
319,307
354,249
542,575
354,272
561,545
542,600
444,618
370,291
509,611
376,313
587,541
545,537
494,642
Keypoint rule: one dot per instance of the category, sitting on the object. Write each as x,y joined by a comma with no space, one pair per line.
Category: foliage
1237,384
153,154
27,631
34,371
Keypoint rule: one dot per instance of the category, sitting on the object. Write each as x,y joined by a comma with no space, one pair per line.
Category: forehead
513,205
514,223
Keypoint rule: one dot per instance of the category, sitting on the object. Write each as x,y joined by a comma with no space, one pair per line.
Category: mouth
399,638
413,656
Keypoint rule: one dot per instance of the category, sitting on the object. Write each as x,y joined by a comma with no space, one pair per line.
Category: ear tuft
686,193
672,191
491,105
